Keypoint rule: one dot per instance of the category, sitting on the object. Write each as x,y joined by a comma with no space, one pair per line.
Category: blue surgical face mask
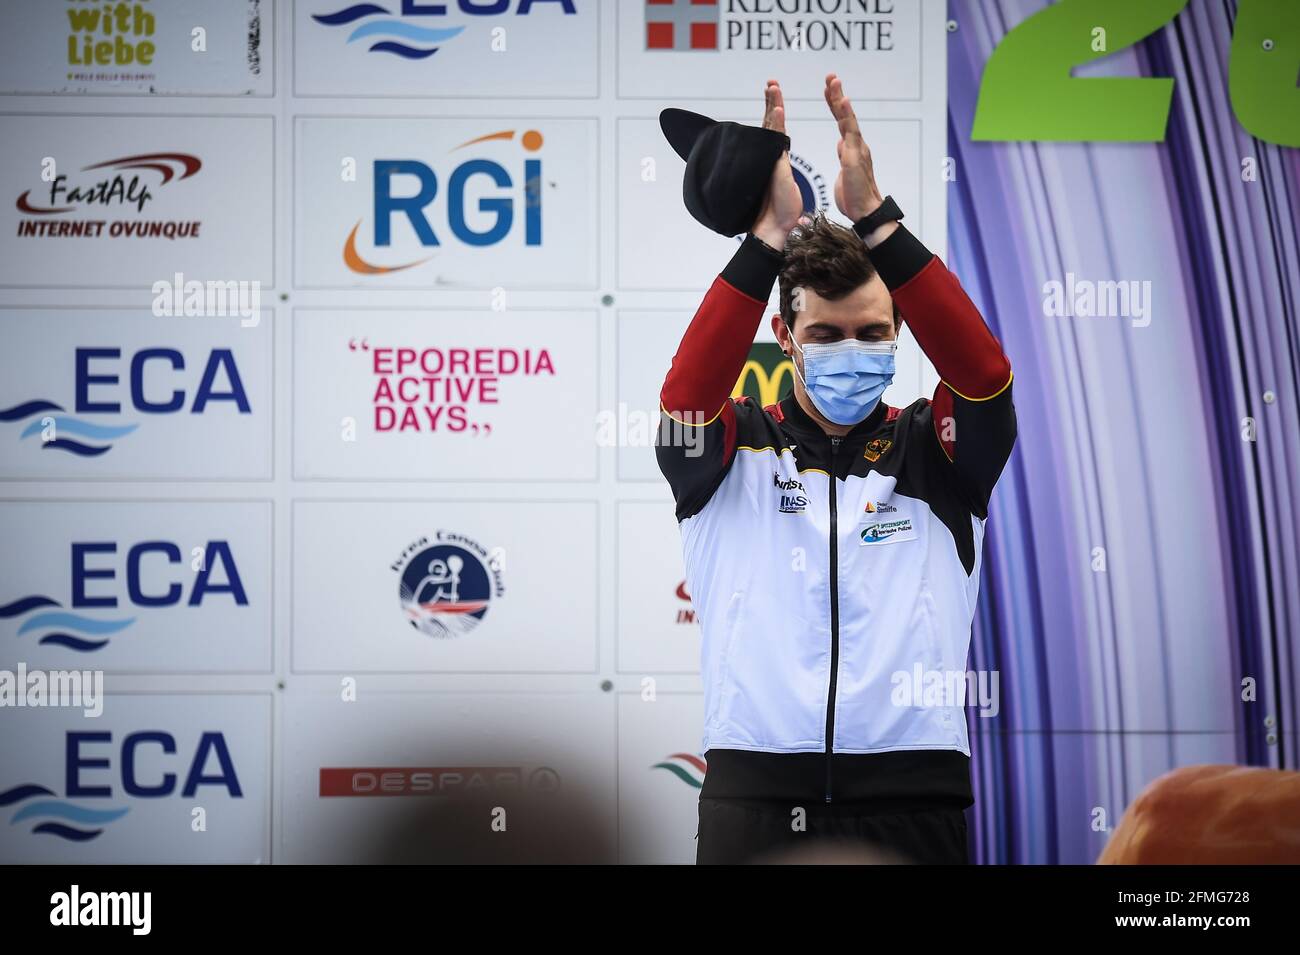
845,379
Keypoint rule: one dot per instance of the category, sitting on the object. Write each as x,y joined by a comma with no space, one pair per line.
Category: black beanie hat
728,167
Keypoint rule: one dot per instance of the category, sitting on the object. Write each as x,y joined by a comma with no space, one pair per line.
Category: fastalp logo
149,382
447,583
44,214
519,189
417,29
106,577
62,818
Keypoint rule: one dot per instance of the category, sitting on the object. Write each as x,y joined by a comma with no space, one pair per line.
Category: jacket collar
793,415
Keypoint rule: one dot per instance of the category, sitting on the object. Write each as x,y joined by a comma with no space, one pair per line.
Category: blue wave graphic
66,832
59,809
71,642
84,428
75,622
409,52
348,14
26,409
25,791
75,447
24,604
407,31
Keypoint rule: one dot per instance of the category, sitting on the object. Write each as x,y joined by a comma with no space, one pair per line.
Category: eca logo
88,769
150,381
151,571
503,199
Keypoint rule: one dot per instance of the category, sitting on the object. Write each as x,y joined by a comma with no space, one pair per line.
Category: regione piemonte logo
447,582
863,26
681,24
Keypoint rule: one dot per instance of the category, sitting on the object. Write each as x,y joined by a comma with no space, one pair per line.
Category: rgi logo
507,199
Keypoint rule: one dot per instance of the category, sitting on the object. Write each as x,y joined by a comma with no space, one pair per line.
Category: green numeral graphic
1262,80
1027,92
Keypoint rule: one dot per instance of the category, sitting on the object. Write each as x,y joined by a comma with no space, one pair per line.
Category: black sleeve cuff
754,268
899,258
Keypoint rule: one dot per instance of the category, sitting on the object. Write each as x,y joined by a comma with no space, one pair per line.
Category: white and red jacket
823,568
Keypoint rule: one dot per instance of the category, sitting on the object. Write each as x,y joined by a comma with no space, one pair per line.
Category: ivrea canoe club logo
447,583
88,779
413,30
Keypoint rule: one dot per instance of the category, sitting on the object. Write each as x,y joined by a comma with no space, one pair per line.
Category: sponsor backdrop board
452,395
149,779
135,586
89,393
323,351
115,201
185,47
371,780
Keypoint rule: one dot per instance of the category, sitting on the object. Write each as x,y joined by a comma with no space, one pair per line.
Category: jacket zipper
835,618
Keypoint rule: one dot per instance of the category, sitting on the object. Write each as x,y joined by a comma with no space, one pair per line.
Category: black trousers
736,831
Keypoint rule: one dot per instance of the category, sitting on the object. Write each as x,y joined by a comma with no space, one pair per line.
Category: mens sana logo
409,191
111,584
91,802
111,388
447,582
417,29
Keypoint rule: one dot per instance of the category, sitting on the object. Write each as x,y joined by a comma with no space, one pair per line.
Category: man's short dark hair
828,258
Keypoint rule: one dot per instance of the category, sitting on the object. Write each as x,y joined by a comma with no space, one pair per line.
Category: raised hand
784,204
856,193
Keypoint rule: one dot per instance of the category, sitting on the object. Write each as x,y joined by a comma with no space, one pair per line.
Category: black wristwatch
887,212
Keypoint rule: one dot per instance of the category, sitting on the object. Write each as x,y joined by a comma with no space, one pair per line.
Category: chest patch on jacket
886,518
875,448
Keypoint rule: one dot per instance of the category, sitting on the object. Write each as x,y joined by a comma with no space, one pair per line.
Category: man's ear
781,332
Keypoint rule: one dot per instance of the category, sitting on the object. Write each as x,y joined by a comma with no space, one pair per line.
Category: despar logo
416,29
447,583
426,390
102,778
765,372
67,207
499,172
112,583
116,390
690,768
433,780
